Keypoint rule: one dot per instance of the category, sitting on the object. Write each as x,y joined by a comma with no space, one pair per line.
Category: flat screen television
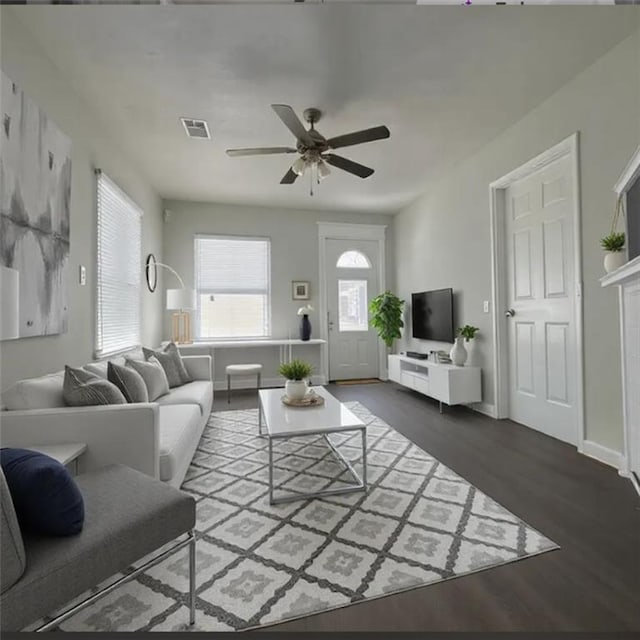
432,315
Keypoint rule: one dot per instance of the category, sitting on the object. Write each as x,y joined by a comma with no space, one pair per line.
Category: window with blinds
119,269
232,277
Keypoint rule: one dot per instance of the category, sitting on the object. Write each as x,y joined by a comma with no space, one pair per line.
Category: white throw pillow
35,393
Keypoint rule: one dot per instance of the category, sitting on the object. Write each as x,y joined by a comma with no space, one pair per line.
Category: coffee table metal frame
360,481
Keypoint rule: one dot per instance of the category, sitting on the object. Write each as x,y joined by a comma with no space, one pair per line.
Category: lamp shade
181,299
323,170
9,303
299,166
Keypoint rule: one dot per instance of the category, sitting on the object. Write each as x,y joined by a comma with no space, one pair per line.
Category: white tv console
444,382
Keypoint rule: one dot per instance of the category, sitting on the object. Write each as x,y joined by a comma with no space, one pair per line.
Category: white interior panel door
541,301
352,282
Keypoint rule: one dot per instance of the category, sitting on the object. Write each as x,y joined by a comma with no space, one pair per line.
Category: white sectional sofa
157,438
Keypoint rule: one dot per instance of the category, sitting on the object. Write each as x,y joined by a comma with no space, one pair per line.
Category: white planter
295,389
473,354
458,353
614,260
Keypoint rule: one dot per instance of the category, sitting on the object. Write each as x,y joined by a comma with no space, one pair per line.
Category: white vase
458,353
472,353
614,260
295,389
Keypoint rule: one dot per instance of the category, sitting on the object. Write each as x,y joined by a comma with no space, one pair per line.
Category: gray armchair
128,515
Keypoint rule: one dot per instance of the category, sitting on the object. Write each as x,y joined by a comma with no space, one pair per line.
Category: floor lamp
180,301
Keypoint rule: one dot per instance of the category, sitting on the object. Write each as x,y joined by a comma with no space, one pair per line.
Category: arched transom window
353,259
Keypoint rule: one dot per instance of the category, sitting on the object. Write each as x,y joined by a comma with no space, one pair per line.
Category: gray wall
26,64
443,239
294,256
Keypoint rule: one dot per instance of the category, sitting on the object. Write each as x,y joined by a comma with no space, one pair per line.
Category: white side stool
241,370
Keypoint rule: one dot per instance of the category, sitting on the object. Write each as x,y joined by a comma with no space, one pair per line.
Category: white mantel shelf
623,274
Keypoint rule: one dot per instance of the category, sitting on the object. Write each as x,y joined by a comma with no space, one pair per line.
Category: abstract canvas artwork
35,193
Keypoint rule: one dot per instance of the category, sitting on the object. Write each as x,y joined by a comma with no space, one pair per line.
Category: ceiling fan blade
292,122
260,151
289,178
358,137
348,165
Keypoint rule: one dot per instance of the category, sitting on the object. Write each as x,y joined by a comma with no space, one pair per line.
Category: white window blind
236,272
119,269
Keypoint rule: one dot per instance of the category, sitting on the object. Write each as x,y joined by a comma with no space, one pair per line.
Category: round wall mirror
151,271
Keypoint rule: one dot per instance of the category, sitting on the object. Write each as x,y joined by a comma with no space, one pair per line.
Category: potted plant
613,244
458,353
296,373
386,316
614,256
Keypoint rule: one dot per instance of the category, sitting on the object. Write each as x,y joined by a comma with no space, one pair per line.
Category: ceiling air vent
196,128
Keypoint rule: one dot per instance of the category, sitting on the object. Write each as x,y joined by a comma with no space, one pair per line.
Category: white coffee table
284,422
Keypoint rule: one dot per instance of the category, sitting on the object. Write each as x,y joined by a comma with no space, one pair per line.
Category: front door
541,301
352,281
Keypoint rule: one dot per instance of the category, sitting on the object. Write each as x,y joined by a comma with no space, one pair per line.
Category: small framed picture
300,290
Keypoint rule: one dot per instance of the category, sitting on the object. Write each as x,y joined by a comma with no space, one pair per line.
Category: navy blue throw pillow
45,496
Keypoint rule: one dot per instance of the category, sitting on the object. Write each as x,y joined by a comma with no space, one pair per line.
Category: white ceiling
445,80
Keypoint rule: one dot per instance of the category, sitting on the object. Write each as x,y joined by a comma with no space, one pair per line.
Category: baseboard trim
602,454
629,475
485,408
250,382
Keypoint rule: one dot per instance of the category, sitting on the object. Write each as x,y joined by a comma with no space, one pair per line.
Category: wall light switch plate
485,306
83,275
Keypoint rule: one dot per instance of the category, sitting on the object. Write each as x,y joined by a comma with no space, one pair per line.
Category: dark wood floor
591,584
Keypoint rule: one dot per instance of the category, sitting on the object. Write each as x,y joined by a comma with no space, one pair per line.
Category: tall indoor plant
386,316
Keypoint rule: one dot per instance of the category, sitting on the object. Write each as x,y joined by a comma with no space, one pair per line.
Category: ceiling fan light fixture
299,166
316,151
323,170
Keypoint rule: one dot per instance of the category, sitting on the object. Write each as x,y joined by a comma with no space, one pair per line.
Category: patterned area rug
419,523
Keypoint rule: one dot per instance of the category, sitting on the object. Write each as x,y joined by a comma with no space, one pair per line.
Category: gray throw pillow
153,375
129,381
171,362
81,388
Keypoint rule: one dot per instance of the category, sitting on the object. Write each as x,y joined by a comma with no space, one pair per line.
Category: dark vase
305,328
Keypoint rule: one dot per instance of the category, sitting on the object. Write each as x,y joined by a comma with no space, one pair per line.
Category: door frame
569,147
348,231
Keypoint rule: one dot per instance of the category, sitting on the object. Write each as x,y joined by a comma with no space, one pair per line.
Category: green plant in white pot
614,256
458,353
613,244
296,372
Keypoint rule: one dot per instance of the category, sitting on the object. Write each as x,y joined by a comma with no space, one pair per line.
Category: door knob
510,313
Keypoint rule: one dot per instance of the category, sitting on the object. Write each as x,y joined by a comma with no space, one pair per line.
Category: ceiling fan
313,148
